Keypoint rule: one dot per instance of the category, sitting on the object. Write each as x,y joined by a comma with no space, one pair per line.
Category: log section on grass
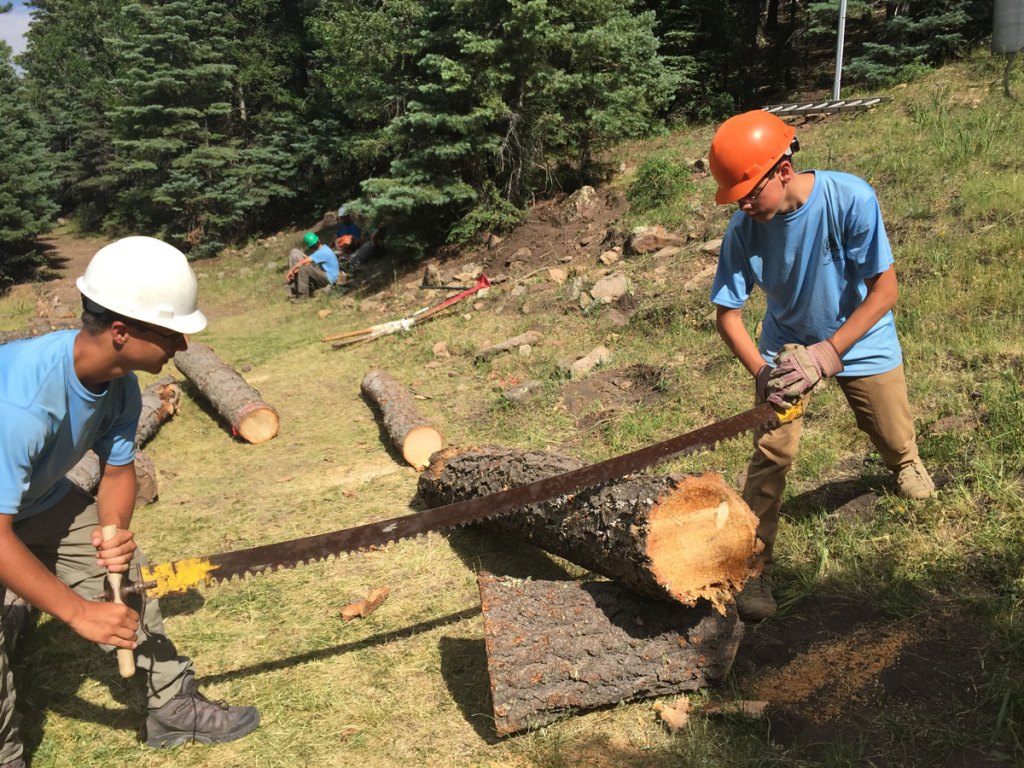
160,401
529,338
238,403
664,537
558,646
415,437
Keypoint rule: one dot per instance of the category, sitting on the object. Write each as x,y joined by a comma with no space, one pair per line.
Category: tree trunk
86,475
239,404
663,537
410,433
160,402
558,646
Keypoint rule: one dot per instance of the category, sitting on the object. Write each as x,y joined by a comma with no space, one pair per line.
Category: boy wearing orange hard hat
815,243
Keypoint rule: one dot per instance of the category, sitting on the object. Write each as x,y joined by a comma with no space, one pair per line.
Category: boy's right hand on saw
798,369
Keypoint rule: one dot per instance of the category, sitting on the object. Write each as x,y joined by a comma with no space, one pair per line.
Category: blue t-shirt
327,260
49,420
812,263
349,229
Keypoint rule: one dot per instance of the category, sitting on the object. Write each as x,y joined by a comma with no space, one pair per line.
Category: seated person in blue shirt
316,268
349,236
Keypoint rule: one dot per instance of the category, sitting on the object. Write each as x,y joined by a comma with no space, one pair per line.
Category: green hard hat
310,239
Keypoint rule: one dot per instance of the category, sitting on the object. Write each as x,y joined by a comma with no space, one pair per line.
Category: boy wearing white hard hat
61,395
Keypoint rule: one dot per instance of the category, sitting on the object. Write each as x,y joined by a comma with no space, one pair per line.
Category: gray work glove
798,369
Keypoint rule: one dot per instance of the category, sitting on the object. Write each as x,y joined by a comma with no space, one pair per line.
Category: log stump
415,437
668,538
239,404
554,647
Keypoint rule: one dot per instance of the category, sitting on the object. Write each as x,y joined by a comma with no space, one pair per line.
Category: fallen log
680,539
86,475
160,401
415,437
558,646
238,403
530,337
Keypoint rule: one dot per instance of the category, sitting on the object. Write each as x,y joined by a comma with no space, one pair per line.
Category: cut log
664,537
415,437
160,402
530,337
238,403
86,475
558,646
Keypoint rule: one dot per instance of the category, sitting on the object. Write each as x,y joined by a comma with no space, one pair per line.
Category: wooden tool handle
125,656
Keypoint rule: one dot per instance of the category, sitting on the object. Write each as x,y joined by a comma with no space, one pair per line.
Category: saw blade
181,575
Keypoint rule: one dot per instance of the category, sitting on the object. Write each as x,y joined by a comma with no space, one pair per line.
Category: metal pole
839,50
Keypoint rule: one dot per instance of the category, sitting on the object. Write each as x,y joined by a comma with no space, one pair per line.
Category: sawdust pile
829,678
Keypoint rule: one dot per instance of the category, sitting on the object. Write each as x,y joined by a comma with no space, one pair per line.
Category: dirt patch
596,398
840,667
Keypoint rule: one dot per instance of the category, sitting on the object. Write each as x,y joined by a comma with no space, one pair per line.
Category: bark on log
238,403
680,539
86,475
415,437
160,402
558,646
530,337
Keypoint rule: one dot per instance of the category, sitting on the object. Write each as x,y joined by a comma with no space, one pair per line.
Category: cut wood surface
682,539
238,403
530,337
558,646
360,609
415,437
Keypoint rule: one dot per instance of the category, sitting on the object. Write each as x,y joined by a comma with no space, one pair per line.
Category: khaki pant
882,408
61,538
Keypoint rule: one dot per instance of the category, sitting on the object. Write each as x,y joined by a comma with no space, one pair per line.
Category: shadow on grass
482,549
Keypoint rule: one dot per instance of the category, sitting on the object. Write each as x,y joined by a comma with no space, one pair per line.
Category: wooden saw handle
125,656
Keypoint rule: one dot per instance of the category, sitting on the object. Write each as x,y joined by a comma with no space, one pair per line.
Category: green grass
407,686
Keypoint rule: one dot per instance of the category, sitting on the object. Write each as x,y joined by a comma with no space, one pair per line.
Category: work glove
798,369
761,383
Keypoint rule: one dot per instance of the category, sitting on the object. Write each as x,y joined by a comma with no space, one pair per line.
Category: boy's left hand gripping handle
125,656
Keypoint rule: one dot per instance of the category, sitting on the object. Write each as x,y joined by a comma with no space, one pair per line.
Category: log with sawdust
415,437
530,337
160,402
554,647
668,538
238,403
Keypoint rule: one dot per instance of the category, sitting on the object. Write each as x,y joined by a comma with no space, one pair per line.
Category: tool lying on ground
419,316
181,575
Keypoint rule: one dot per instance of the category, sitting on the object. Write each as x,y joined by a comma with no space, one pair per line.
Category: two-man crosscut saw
181,575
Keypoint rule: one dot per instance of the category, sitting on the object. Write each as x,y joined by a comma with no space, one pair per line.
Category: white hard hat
342,211
145,279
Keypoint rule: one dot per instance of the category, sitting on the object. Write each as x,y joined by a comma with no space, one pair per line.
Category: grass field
941,582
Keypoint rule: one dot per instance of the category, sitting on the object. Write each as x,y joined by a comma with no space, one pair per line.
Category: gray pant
60,538
309,277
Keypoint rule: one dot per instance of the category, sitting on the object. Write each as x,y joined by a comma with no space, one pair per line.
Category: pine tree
26,196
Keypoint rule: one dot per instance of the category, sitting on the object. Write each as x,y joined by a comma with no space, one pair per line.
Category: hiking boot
755,602
190,716
913,481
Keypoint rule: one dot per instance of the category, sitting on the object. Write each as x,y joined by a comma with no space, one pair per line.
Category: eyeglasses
174,337
751,197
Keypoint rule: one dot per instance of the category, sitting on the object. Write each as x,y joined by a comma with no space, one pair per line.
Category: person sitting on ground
317,268
349,236
365,253
815,243
61,395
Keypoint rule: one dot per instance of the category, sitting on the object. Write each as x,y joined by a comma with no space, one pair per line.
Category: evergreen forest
209,122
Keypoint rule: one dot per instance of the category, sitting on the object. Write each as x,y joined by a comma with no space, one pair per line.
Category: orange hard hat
744,149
